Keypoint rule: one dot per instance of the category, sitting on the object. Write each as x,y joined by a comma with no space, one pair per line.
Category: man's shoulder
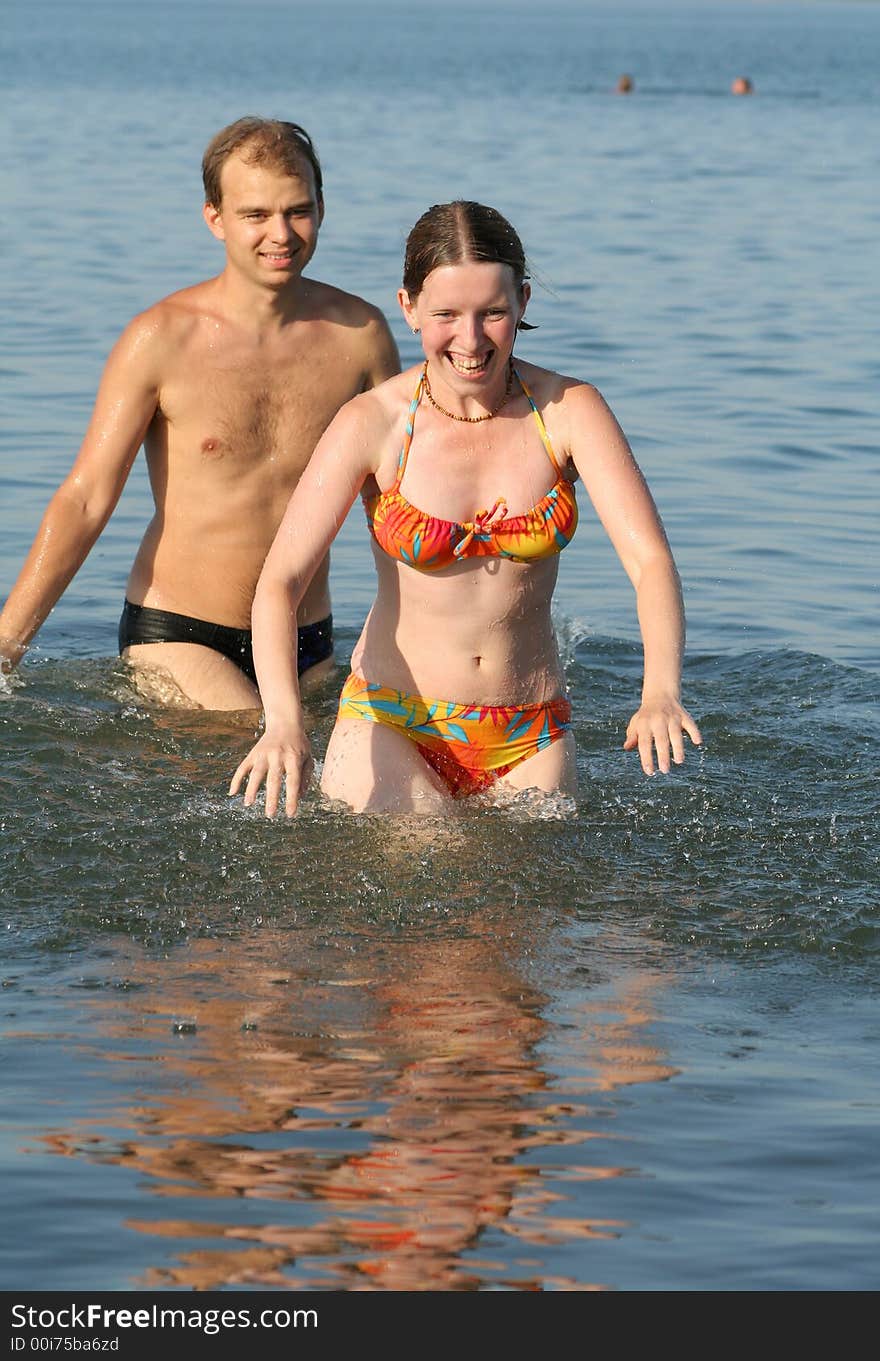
356,328
381,408
335,304
161,330
179,312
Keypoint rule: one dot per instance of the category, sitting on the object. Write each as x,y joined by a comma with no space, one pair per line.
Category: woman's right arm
336,472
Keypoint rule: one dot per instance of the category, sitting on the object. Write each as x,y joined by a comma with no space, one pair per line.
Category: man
228,385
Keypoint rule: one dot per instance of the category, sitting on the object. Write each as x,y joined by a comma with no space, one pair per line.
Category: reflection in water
376,1104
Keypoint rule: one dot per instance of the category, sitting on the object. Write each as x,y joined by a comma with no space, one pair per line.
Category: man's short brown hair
265,141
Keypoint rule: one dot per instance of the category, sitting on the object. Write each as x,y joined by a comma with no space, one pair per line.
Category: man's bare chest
244,409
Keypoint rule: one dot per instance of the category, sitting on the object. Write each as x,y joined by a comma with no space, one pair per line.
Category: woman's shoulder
577,417
549,386
559,394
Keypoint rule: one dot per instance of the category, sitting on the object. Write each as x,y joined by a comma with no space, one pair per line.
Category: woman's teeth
467,365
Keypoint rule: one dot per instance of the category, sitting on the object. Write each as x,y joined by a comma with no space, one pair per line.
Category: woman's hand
659,723
282,754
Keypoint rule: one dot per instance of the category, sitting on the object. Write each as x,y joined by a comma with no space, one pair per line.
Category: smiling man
228,385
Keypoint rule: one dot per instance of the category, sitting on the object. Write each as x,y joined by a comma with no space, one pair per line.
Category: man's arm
383,360
82,505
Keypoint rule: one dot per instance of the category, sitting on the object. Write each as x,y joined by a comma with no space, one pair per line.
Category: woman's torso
463,604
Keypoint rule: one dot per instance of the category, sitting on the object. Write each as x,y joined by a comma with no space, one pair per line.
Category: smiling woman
456,683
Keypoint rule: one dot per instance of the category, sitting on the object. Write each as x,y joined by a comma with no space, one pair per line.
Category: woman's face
467,315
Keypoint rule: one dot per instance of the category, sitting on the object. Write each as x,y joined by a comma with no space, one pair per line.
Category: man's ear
213,219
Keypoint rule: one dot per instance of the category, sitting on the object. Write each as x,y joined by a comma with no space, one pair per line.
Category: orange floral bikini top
423,541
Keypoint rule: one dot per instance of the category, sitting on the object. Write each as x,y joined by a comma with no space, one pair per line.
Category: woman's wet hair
262,141
459,232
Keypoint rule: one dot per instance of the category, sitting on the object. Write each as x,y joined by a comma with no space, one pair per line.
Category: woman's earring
415,330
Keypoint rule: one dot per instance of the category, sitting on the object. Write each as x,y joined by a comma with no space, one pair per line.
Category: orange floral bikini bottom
469,745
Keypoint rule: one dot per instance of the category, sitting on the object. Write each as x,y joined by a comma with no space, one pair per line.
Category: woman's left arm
623,502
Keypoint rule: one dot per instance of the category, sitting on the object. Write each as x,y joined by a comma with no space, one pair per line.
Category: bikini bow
483,521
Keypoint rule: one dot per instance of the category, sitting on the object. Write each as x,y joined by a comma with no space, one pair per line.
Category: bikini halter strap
542,429
414,406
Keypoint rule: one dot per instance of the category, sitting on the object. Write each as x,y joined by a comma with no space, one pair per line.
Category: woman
466,464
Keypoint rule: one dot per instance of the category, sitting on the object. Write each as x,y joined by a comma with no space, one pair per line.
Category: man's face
267,219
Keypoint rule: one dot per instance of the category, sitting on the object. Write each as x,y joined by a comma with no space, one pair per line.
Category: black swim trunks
141,624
